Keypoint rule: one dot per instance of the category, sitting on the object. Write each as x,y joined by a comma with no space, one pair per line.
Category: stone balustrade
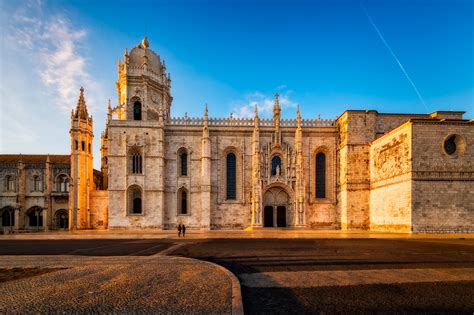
237,121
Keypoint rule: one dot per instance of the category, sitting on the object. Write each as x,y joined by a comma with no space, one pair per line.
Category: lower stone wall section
443,206
390,208
99,207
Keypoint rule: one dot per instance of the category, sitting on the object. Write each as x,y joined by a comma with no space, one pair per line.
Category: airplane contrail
394,56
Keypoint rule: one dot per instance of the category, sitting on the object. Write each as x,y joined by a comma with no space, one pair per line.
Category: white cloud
265,103
54,44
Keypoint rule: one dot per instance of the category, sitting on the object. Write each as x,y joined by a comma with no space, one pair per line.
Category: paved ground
120,285
278,233
361,275
304,275
85,247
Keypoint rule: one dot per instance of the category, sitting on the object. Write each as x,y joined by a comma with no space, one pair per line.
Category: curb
237,305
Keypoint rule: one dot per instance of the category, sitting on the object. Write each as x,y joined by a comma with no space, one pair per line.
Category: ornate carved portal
276,206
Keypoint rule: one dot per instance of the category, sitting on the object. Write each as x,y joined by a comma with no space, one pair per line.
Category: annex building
364,170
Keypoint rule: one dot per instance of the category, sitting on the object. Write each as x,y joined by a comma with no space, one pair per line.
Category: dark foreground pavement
275,273
310,275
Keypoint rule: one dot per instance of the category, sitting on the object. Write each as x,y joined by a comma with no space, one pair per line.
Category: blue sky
327,56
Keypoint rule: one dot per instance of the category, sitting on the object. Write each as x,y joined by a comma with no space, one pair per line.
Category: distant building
364,170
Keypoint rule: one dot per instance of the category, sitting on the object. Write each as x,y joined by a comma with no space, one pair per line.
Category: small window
184,164
89,148
320,175
183,199
9,183
454,145
276,166
83,146
37,185
77,145
136,164
137,110
231,176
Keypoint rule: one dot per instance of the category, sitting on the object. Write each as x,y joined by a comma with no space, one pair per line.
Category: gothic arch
137,108
7,216
134,200
61,219
34,217
61,182
317,161
277,206
135,160
183,199
226,180
183,161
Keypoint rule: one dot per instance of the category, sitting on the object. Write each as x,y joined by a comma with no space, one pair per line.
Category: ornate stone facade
364,170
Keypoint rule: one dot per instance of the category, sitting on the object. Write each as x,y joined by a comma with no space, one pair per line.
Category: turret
81,165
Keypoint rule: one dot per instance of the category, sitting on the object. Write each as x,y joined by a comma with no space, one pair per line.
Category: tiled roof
35,158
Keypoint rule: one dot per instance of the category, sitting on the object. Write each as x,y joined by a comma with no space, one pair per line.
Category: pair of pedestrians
181,229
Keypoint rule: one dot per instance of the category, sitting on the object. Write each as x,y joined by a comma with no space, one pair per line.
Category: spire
298,116
81,108
255,111
206,116
276,107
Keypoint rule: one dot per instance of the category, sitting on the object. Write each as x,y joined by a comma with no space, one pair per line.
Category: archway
7,217
276,202
35,217
61,218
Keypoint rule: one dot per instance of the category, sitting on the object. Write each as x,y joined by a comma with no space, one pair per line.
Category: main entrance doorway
268,216
276,202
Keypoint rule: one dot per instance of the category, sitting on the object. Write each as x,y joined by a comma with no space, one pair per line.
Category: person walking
183,229
179,230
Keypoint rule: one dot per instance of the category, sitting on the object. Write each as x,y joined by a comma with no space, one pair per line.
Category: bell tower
82,181
143,85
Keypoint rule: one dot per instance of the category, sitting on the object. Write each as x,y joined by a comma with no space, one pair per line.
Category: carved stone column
256,204
300,182
206,175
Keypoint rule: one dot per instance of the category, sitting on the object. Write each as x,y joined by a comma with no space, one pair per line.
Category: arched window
35,217
135,161
182,201
89,148
77,145
9,183
83,145
231,176
320,175
276,166
184,164
7,216
62,183
37,184
134,199
137,110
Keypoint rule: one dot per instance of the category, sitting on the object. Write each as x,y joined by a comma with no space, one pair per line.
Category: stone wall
443,184
390,181
99,209
356,130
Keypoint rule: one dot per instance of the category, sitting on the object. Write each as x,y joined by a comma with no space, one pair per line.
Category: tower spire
81,108
276,107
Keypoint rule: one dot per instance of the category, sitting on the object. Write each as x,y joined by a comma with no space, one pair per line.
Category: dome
141,54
